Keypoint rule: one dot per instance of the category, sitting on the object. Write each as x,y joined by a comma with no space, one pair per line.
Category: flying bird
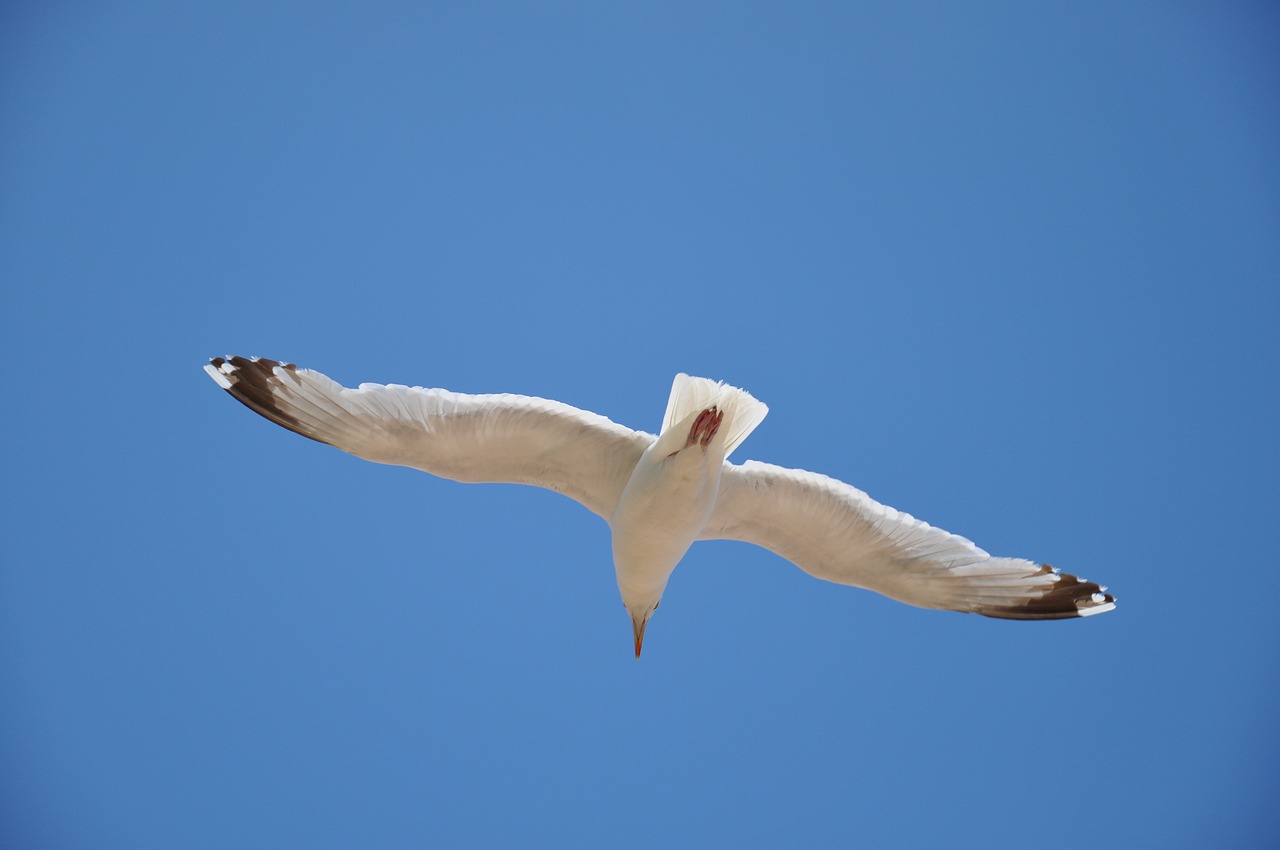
661,493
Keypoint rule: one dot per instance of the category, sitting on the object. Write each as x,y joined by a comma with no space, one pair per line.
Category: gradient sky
1013,269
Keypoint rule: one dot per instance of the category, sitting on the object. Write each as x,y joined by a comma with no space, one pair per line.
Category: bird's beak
638,627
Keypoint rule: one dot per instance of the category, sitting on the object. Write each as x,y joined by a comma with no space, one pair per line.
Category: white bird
661,493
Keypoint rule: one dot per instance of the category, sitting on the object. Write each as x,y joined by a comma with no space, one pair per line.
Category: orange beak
638,627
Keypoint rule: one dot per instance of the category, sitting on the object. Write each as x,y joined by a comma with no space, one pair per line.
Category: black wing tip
253,382
252,376
234,363
1067,598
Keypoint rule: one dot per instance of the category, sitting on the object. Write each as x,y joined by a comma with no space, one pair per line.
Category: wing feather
472,438
838,533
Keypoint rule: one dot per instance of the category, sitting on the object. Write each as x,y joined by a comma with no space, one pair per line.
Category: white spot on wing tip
1090,610
221,377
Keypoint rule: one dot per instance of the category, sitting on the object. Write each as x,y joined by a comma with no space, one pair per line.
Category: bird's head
640,614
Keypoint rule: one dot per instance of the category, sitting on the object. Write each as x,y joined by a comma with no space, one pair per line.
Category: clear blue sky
1013,270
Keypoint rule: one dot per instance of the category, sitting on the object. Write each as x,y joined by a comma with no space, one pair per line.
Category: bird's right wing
837,532
507,438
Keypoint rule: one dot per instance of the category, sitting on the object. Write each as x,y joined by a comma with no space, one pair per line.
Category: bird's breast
664,506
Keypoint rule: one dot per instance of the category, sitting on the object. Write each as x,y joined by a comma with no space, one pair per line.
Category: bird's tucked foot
705,427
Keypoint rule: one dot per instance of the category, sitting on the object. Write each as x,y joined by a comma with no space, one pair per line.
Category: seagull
661,493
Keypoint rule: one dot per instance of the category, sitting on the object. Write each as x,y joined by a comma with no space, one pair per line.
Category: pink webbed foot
705,427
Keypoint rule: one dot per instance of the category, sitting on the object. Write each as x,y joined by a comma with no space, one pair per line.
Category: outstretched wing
836,532
474,438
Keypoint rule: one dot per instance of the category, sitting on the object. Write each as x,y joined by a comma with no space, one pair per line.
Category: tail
742,412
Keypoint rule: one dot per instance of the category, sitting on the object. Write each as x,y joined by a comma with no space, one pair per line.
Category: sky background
1013,270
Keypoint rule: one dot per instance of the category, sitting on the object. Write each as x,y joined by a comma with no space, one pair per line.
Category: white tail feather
689,396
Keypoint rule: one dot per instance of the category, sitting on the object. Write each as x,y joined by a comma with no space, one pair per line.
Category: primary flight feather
661,493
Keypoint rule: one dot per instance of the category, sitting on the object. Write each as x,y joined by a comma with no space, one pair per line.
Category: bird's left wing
837,532
473,438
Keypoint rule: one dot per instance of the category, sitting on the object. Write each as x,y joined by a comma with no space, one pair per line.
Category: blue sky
1013,270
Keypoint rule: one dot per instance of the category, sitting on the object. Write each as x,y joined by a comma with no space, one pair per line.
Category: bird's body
661,493
662,509
671,492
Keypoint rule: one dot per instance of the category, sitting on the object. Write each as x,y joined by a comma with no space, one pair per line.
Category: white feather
838,533
690,395
472,438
